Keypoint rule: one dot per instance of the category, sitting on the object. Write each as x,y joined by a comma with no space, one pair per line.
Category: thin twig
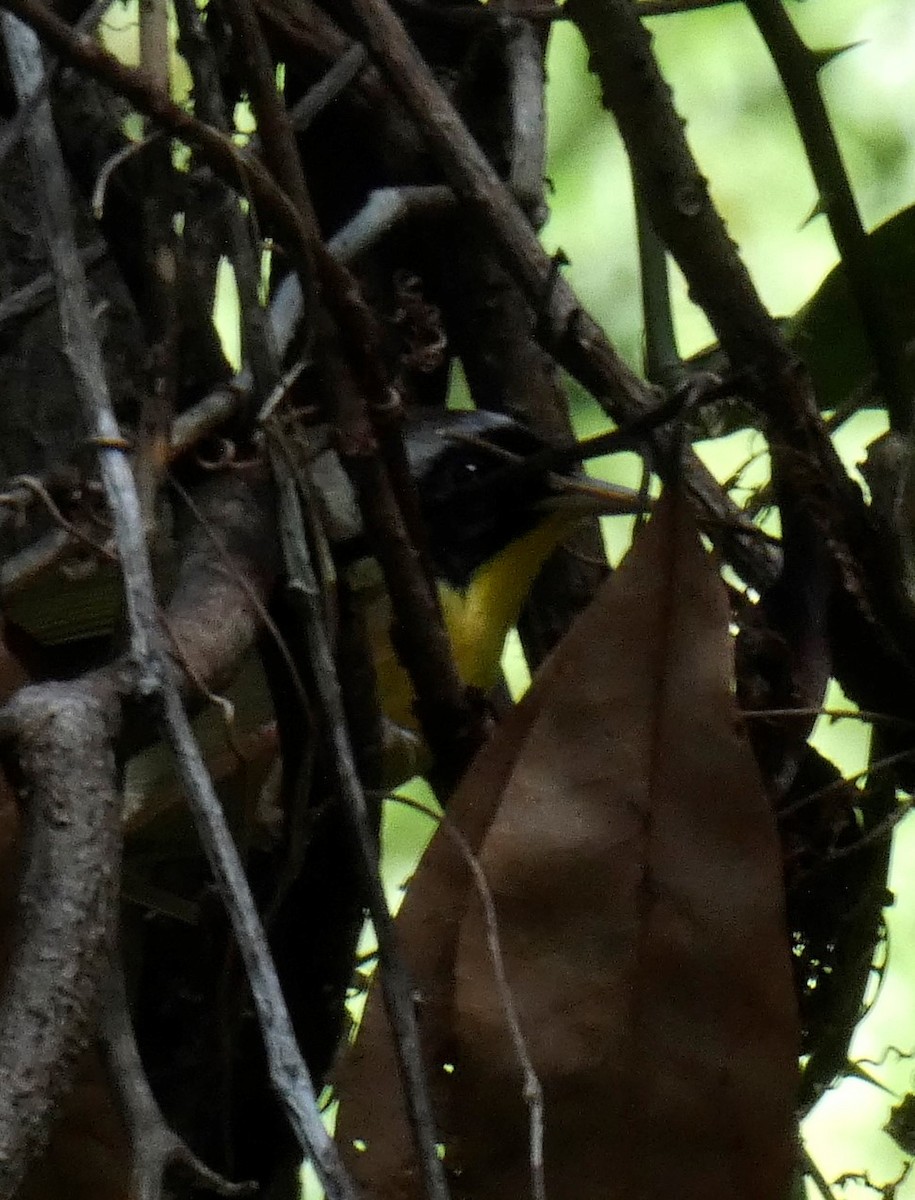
829,789
395,982
798,67
288,1072
244,585
329,87
83,352
664,8
112,165
474,13
533,1090
812,1171
877,833
835,714
38,489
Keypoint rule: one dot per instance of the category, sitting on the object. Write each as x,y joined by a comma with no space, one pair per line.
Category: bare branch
570,333
83,352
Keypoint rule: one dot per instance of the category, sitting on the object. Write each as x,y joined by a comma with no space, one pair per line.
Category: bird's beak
590,497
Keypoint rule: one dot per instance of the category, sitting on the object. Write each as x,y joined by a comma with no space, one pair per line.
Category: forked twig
156,1147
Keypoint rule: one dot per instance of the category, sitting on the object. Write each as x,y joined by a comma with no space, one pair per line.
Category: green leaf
827,331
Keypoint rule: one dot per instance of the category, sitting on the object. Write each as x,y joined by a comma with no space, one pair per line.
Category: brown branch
674,190
574,338
798,70
451,721
873,637
274,128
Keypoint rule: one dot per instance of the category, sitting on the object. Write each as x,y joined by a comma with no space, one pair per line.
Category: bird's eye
466,470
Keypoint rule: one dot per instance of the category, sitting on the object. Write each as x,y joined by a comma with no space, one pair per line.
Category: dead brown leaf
635,869
372,1126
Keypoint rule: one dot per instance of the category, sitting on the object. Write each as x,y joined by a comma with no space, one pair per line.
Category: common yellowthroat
491,525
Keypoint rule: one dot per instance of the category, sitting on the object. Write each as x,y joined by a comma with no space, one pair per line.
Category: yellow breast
478,619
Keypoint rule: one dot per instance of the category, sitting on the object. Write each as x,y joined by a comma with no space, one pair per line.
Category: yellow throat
478,618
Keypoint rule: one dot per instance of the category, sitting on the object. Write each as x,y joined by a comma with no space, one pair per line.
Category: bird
491,525
491,522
